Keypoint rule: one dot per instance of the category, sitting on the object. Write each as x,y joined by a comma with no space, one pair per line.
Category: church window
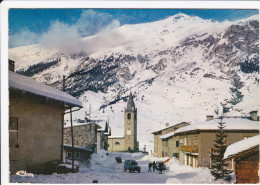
128,116
117,143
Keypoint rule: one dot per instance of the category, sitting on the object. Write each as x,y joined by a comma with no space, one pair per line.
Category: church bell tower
130,125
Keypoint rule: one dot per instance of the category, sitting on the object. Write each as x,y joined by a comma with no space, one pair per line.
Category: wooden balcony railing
191,149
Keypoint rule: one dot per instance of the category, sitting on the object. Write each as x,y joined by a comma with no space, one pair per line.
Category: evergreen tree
219,170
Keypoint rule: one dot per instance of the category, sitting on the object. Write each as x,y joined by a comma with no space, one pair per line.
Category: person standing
150,166
154,166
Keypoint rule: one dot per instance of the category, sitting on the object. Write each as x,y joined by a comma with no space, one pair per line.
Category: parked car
160,164
131,166
118,159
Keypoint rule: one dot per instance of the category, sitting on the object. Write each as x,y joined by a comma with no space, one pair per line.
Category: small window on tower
128,116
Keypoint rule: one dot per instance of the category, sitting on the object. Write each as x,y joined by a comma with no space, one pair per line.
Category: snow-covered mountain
178,69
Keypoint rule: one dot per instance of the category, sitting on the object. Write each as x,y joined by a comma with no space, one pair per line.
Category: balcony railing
191,149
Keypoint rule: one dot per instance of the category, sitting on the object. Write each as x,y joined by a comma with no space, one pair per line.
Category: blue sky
28,26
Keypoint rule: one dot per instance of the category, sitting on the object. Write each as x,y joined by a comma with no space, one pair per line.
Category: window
189,141
117,143
77,155
181,141
13,124
69,155
195,140
177,143
185,141
128,116
176,155
166,154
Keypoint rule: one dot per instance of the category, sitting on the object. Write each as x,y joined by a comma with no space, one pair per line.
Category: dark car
118,159
132,166
160,165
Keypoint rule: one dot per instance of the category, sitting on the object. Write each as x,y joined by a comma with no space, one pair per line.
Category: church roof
130,103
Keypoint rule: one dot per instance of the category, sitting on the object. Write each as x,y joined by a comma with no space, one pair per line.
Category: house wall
205,141
172,148
115,147
84,136
84,155
101,140
160,147
40,131
246,168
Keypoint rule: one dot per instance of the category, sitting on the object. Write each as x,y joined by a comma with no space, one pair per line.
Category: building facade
89,134
197,140
35,122
128,142
244,157
162,148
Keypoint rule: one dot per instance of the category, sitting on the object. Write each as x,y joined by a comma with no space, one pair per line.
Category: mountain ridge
174,76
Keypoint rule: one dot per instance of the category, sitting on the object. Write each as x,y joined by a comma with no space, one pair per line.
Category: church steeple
130,104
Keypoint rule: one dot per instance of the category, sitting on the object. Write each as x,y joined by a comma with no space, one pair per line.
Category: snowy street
104,169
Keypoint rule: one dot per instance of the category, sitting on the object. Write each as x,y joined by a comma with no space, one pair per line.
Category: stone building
197,139
36,114
244,157
90,134
162,147
128,142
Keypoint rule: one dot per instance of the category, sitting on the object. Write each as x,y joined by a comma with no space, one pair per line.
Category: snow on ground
104,169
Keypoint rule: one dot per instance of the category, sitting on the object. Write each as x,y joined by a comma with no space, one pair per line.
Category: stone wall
84,135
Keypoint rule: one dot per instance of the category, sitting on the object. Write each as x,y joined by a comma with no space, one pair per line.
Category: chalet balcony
191,149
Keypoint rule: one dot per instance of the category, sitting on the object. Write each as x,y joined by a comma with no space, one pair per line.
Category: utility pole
72,141
62,129
90,110
63,84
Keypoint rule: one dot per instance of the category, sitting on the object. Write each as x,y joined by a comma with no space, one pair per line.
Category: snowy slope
178,69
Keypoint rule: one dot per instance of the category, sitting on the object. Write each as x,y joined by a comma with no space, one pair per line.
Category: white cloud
22,38
68,38
63,37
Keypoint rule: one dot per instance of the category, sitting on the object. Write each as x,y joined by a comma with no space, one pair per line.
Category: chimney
11,65
209,117
253,115
166,124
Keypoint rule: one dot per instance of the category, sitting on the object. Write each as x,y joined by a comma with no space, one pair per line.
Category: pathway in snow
106,170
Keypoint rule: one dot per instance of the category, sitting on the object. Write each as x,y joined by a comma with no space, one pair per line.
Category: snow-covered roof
27,84
102,124
241,146
230,123
75,124
108,131
115,137
79,148
165,136
173,125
